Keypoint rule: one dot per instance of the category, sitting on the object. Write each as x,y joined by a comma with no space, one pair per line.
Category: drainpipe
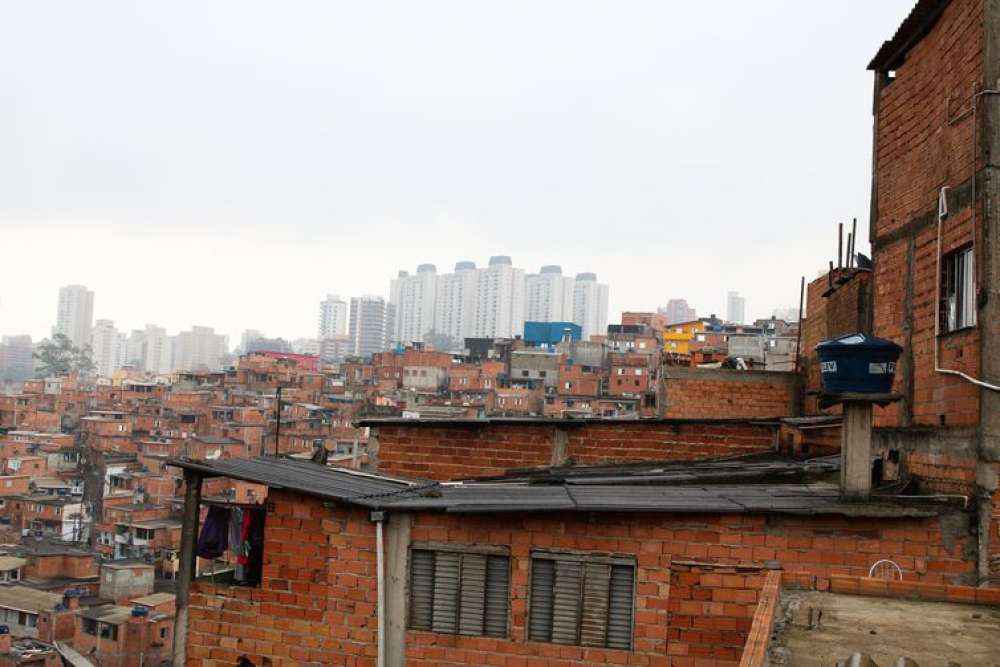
378,517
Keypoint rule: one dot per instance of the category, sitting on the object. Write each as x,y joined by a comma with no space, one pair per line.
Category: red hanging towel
244,556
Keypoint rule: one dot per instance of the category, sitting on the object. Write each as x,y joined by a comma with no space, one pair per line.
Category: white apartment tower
735,308
75,314
151,350
108,347
455,306
332,317
414,299
499,300
371,325
590,305
199,349
548,295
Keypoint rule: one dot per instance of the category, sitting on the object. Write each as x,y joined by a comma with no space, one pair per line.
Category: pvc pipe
380,567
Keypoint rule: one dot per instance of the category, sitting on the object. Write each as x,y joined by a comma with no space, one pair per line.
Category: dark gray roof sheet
914,27
304,476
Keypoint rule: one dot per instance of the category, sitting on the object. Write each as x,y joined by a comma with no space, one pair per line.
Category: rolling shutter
594,617
581,600
447,569
421,589
566,603
473,597
497,596
543,574
459,593
620,607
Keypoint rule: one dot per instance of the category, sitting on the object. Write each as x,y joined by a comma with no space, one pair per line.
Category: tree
442,342
59,357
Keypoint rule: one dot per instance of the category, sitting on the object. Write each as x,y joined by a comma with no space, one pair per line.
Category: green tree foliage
58,357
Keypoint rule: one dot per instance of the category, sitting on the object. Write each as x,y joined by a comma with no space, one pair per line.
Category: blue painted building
547,334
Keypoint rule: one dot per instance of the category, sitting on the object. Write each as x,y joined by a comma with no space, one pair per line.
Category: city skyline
597,158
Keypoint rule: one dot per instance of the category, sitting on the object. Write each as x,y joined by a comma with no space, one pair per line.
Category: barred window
459,592
581,600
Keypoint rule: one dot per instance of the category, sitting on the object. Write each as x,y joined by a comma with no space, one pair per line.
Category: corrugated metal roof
914,27
304,476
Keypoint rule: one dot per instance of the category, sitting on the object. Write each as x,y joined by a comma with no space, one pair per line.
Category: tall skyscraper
590,305
548,295
108,347
455,304
199,349
735,308
75,314
677,311
499,300
151,350
371,324
332,317
414,298
248,337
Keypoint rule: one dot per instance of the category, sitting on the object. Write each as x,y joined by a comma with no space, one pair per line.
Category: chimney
4,640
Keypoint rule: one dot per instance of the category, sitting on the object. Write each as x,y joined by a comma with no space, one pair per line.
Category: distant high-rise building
335,349
16,361
735,308
332,317
414,298
199,349
677,311
590,305
108,347
548,296
790,314
371,324
306,346
455,302
150,349
249,336
75,314
499,300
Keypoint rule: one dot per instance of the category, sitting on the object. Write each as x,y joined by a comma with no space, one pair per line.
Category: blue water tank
858,363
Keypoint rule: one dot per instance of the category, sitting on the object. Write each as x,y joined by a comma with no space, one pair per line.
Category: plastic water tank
858,363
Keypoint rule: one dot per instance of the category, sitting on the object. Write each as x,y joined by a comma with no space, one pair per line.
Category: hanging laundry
214,538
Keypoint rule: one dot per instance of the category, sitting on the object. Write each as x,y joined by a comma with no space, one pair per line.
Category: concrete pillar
397,549
856,451
188,556
560,446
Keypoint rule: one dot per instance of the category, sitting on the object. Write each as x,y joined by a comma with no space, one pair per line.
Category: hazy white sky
230,163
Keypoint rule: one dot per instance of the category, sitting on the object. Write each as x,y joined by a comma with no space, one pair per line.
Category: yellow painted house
677,337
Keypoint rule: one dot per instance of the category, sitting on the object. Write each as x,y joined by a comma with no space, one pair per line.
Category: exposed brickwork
318,599
918,151
755,650
720,394
462,451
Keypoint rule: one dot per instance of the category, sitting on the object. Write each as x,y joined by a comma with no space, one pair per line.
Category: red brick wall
468,450
917,152
711,609
720,394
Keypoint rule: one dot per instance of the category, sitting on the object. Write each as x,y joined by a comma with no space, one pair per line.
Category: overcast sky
230,163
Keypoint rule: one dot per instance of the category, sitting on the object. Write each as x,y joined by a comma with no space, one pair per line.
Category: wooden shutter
421,589
497,598
473,595
620,604
447,571
594,615
543,573
566,603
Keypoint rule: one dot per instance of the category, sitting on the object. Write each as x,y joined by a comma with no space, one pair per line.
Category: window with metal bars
958,290
459,592
581,600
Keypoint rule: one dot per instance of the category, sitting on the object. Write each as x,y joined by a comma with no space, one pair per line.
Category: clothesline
220,503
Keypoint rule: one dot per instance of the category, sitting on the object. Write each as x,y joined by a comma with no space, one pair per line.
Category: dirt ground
934,634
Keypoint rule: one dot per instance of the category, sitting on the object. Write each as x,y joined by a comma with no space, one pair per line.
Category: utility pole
277,423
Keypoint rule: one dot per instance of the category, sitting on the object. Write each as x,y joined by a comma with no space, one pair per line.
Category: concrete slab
933,634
